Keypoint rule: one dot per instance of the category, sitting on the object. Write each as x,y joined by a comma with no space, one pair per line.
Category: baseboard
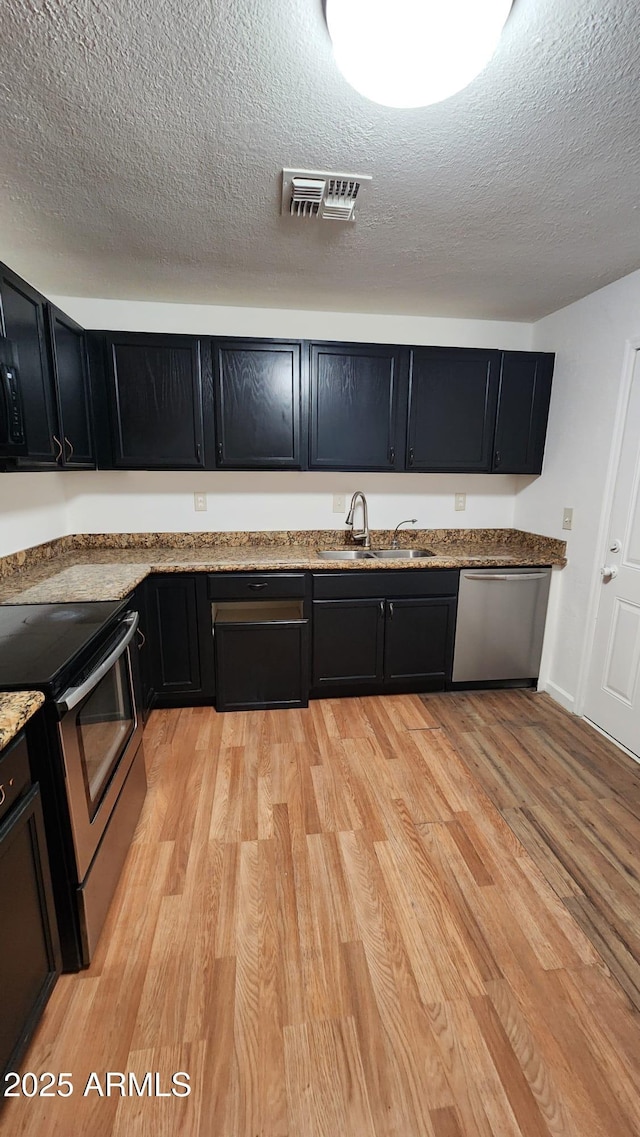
559,695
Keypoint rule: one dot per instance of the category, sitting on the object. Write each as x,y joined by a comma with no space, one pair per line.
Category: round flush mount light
412,53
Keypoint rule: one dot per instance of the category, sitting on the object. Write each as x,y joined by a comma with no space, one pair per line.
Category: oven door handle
74,695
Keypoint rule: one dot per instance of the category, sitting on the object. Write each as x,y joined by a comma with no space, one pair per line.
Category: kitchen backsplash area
38,507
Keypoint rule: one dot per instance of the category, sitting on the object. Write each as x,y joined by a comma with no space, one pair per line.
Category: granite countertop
16,708
89,567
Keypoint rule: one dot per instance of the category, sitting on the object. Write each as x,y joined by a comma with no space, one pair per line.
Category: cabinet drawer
417,582
249,585
15,775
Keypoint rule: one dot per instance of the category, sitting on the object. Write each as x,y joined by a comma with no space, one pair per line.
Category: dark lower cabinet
348,640
261,663
29,947
418,646
261,639
179,638
375,643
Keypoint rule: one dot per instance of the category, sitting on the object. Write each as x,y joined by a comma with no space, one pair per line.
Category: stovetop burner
39,643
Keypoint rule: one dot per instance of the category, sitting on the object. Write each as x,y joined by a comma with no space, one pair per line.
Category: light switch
200,502
567,518
461,501
339,503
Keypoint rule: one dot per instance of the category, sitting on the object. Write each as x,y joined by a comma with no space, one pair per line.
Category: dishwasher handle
505,576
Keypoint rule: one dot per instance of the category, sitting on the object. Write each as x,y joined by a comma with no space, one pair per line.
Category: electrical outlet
339,505
460,501
200,502
567,518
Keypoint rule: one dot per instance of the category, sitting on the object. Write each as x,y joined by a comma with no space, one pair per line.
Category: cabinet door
29,949
257,402
180,638
23,322
348,638
452,409
261,665
155,385
355,407
69,360
523,409
418,649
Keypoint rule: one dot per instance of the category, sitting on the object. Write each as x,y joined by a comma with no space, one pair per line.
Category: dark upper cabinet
523,408
70,371
357,413
54,381
452,409
257,386
156,399
23,321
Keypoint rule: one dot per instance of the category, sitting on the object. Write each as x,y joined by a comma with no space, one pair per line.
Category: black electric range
84,749
44,646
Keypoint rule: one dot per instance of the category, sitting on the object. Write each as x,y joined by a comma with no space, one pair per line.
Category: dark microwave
13,440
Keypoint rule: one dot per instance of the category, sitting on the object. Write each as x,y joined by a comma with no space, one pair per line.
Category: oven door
99,736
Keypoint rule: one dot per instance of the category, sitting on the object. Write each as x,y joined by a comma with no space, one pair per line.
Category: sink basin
402,554
344,554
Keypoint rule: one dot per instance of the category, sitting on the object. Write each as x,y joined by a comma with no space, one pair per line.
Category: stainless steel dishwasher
500,625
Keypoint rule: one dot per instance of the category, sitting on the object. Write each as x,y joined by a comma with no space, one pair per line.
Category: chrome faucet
360,535
409,521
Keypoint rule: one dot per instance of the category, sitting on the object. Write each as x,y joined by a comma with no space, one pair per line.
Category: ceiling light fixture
412,53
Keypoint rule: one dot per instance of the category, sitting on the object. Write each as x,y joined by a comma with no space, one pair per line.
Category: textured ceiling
142,143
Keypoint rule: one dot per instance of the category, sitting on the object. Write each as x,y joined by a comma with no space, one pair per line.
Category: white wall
125,502
200,319
590,339
33,508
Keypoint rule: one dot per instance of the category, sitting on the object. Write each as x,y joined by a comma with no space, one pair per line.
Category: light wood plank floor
329,924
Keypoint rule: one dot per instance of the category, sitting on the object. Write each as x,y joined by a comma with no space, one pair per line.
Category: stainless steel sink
402,554
344,554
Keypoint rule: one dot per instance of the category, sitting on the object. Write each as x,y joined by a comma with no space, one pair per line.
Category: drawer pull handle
256,587
4,796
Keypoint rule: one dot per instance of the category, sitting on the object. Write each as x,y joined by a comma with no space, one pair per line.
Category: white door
613,689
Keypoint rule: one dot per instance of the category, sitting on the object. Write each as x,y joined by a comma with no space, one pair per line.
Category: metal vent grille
320,195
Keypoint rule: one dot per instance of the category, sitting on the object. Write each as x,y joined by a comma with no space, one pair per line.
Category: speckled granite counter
109,566
16,708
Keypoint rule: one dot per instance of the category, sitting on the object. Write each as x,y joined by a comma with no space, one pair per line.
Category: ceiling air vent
321,195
